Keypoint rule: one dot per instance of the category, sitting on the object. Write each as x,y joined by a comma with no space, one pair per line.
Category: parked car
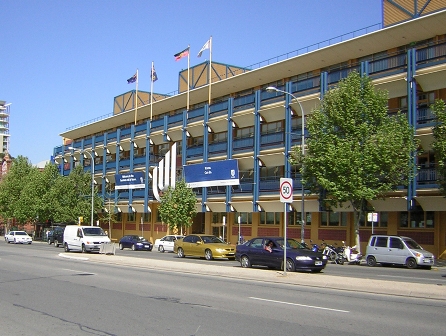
135,243
56,236
201,245
399,250
18,237
268,251
84,238
166,243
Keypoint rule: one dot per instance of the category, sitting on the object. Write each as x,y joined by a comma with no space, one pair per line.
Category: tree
177,207
439,144
356,151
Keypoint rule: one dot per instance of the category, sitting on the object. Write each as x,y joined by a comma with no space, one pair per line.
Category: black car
268,251
135,243
56,236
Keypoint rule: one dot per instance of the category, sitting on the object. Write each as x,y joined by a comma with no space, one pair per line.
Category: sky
62,62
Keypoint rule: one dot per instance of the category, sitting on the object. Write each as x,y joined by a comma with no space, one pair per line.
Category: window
381,242
417,219
294,218
395,243
270,218
219,137
382,220
273,127
147,217
217,217
246,132
245,218
131,217
329,218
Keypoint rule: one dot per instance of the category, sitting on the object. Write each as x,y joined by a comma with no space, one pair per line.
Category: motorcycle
351,255
334,254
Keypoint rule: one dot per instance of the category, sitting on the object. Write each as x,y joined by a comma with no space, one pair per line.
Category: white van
84,238
388,250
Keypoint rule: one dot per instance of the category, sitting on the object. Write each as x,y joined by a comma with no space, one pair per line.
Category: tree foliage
439,145
356,151
28,194
177,207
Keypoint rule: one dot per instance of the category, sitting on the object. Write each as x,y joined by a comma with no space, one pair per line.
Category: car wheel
180,253
371,261
49,241
332,256
120,246
289,265
56,243
208,254
65,247
8,241
15,241
84,250
133,247
244,262
161,248
411,263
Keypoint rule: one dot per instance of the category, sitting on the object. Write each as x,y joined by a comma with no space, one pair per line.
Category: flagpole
151,89
136,97
188,67
210,68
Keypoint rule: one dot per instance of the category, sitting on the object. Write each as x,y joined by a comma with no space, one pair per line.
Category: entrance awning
390,204
432,203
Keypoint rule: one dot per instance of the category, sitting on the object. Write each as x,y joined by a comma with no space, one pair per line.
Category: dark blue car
268,251
135,243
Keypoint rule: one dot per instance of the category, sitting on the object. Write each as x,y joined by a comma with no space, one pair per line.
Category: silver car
18,237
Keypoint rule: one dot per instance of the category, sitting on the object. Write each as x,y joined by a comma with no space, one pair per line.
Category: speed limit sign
286,190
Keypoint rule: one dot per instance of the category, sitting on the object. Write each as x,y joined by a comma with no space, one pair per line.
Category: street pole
224,223
302,213
239,233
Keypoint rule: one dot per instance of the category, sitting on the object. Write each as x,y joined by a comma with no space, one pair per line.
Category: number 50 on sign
286,190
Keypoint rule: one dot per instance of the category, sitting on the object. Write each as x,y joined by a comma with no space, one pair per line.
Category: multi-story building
4,126
241,120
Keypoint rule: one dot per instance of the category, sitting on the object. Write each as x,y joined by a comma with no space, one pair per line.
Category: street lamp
92,182
272,89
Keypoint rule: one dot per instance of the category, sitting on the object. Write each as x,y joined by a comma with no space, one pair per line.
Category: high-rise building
4,127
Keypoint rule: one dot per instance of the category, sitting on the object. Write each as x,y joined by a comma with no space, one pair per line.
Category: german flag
181,54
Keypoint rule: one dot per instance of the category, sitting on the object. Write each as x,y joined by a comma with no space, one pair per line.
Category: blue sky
63,61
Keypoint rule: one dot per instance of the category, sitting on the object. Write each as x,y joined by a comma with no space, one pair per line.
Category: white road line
301,305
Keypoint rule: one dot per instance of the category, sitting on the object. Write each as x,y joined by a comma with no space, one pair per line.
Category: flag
181,54
207,45
153,74
132,79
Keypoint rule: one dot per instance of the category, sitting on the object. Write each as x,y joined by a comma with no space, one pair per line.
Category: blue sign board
129,181
215,173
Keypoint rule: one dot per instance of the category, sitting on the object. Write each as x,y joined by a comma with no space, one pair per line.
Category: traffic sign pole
286,196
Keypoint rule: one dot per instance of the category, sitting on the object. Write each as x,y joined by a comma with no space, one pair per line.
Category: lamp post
302,228
92,183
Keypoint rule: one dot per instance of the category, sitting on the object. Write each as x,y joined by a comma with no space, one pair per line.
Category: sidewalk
320,280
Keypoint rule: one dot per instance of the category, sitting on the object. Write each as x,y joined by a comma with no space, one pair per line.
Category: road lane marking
300,305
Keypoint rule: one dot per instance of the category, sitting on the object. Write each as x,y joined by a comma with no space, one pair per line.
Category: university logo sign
164,174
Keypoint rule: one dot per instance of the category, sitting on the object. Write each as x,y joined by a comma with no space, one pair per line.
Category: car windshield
94,232
291,244
20,233
412,244
211,239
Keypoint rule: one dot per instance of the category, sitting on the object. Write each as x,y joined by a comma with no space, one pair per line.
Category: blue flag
132,79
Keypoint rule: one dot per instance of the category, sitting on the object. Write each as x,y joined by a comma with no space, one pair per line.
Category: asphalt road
45,291
437,275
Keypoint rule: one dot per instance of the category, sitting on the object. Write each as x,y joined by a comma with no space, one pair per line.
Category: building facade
243,121
4,126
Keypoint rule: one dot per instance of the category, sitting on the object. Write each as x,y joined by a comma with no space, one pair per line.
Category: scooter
351,255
